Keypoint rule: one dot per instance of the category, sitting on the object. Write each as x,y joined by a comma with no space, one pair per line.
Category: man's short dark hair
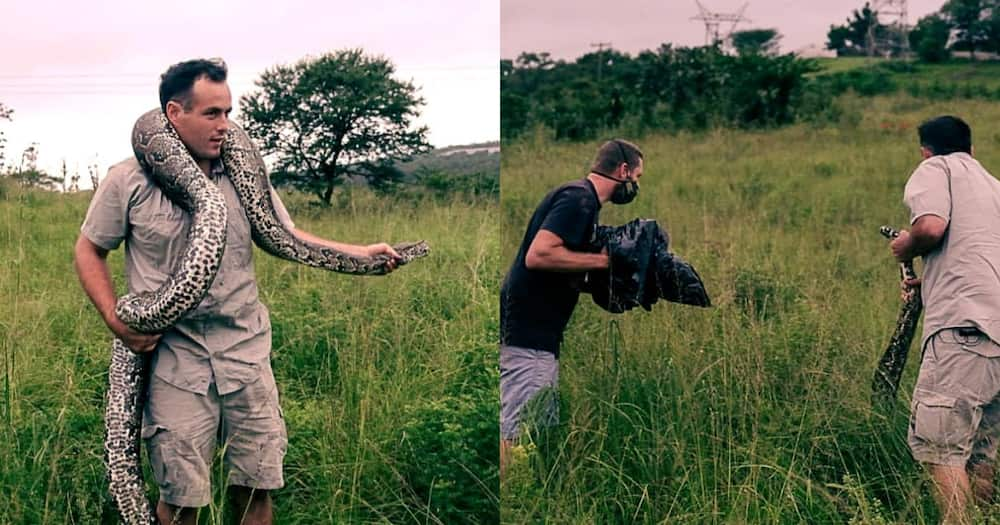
614,152
944,135
177,82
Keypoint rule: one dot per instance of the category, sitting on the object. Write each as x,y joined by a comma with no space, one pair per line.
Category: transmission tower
893,14
714,20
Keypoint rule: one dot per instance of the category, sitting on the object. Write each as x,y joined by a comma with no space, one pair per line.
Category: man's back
961,282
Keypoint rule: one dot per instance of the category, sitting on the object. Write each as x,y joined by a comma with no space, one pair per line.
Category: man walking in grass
955,226
541,288
211,372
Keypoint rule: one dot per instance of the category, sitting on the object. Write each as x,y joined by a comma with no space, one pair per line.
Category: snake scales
165,158
885,383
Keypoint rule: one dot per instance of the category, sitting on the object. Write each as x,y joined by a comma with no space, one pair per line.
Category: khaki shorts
955,414
181,430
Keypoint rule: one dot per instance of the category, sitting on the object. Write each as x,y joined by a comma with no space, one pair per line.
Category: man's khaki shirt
961,281
227,338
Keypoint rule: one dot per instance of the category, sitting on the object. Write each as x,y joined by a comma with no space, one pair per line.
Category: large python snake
885,383
164,157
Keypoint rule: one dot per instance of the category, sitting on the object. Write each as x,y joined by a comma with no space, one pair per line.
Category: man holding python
954,208
211,376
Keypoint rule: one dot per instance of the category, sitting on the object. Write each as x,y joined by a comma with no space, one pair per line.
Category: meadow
388,384
756,410
957,71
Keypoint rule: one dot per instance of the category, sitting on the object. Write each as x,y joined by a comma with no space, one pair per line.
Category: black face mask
625,192
627,189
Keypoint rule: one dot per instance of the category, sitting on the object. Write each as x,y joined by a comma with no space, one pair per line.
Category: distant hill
469,167
458,160
489,147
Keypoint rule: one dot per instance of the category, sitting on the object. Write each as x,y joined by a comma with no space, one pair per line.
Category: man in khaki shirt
955,216
211,374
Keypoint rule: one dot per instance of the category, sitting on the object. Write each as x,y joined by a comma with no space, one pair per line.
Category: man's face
203,124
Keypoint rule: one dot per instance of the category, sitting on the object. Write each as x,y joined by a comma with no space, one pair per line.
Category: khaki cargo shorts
955,413
182,429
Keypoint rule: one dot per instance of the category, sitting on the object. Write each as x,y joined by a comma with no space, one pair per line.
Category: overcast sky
78,74
567,28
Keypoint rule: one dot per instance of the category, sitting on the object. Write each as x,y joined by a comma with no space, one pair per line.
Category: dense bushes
674,89
670,88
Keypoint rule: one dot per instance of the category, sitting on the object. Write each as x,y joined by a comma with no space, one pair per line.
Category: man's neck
604,186
206,166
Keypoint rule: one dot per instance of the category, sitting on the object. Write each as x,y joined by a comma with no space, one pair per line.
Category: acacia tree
967,18
325,118
857,35
992,26
756,41
929,38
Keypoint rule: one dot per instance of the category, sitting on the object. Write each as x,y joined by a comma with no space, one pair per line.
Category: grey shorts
181,430
528,382
955,413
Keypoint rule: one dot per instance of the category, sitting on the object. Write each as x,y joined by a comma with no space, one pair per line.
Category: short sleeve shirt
226,339
961,281
536,305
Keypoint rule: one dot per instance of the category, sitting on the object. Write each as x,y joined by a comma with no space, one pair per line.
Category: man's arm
90,261
548,252
924,236
357,250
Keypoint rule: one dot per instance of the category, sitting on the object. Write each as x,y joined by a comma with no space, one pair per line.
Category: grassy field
757,410
836,65
961,73
388,384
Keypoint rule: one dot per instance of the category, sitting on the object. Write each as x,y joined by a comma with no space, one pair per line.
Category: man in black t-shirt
542,286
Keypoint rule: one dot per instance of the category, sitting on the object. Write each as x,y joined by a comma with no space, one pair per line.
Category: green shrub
445,449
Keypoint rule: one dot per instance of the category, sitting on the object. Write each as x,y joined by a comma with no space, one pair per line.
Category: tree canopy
323,119
756,41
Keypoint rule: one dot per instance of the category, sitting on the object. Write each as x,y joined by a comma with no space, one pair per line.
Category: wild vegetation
388,384
757,410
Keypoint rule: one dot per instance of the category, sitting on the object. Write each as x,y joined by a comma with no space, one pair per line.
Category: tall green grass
757,410
368,368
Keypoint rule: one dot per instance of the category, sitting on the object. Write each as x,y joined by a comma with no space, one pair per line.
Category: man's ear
926,153
174,109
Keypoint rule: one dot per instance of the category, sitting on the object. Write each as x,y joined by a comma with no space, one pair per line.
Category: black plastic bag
642,270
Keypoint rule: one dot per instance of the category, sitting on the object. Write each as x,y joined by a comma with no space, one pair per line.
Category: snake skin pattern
885,383
162,155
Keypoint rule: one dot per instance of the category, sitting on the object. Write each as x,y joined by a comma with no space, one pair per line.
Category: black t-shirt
535,305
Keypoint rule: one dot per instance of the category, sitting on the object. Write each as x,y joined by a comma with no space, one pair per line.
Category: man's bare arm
356,250
923,237
90,261
548,252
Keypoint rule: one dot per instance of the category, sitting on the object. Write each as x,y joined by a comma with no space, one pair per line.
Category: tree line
670,88
959,25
